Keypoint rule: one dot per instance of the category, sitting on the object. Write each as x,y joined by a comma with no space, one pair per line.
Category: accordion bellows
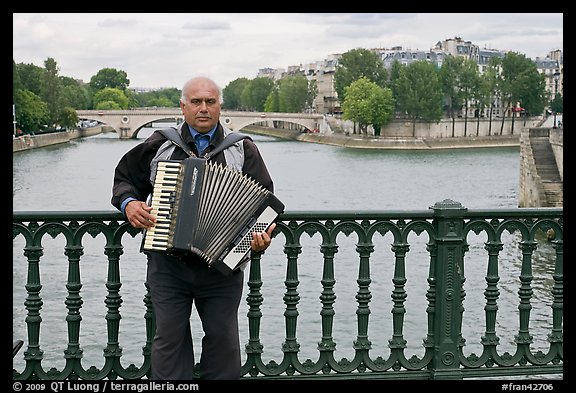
210,210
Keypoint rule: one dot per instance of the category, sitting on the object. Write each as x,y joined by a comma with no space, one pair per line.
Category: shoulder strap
174,136
230,139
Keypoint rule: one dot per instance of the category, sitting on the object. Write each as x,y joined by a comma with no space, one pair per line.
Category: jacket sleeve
255,167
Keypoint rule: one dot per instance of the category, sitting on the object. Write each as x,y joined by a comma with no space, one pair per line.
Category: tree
16,81
395,71
169,98
254,95
355,64
419,92
272,101
521,83
51,91
292,93
110,98
311,94
74,94
232,94
31,111
557,104
162,102
383,104
68,118
110,77
450,74
30,76
469,85
368,104
488,92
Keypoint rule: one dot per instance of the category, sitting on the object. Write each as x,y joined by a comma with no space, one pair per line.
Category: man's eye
197,101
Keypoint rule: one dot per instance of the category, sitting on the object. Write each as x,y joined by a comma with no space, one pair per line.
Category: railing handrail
447,225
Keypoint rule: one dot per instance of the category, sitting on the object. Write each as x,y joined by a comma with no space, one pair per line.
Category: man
176,283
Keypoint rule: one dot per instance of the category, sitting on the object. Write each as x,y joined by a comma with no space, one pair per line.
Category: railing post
448,223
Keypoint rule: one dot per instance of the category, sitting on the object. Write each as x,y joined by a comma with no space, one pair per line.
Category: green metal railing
450,232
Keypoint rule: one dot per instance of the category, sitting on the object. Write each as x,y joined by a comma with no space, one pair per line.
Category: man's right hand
138,215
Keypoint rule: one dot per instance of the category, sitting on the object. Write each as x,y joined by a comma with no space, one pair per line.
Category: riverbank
356,141
391,143
27,142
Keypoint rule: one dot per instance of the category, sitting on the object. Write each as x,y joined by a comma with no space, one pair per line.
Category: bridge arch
239,124
127,123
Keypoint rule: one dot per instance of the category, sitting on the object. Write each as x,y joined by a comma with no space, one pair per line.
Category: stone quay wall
26,142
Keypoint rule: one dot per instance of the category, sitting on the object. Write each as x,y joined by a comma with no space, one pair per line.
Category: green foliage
292,93
272,102
51,90
368,104
31,111
110,77
521,82
450,79
168,98
108,105
419,92
29,76
557,104
162,102
108,96
355,64
232,94
255,93
76,93
68,118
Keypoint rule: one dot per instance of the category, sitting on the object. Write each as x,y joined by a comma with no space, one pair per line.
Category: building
322,72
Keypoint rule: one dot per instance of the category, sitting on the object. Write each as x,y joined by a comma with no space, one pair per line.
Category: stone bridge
128,122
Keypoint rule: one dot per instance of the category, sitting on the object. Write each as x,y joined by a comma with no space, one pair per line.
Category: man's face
202,107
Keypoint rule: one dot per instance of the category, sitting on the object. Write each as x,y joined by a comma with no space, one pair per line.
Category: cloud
165,49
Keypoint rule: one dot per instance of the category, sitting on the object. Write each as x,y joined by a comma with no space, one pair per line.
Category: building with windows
322,72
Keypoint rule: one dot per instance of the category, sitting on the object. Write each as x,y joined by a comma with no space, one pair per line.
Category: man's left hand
261,240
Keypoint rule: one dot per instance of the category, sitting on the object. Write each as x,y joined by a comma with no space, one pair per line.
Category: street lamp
556,79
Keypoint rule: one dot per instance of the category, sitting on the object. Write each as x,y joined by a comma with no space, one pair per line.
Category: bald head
200,103
198,82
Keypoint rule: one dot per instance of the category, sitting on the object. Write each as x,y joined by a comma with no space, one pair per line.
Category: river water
308,177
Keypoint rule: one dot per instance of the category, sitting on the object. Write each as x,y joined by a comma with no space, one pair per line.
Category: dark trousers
174,287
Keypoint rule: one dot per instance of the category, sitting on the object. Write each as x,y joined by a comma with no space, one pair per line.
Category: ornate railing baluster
73,353
254,347
362,344
33,354
327,346
556,337
491,340
398,343
525,292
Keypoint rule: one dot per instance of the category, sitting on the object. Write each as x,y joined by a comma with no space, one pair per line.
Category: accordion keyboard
163,198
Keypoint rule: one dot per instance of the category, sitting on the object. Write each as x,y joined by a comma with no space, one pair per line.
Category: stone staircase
547,170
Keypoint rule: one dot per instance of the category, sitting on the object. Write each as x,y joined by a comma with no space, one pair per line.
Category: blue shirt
202,140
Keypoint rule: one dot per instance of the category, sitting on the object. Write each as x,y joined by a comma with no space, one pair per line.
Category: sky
163,50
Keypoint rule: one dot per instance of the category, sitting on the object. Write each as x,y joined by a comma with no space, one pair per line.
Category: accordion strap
174,136
230,139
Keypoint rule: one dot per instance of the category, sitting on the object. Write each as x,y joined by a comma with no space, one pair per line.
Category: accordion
210,210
